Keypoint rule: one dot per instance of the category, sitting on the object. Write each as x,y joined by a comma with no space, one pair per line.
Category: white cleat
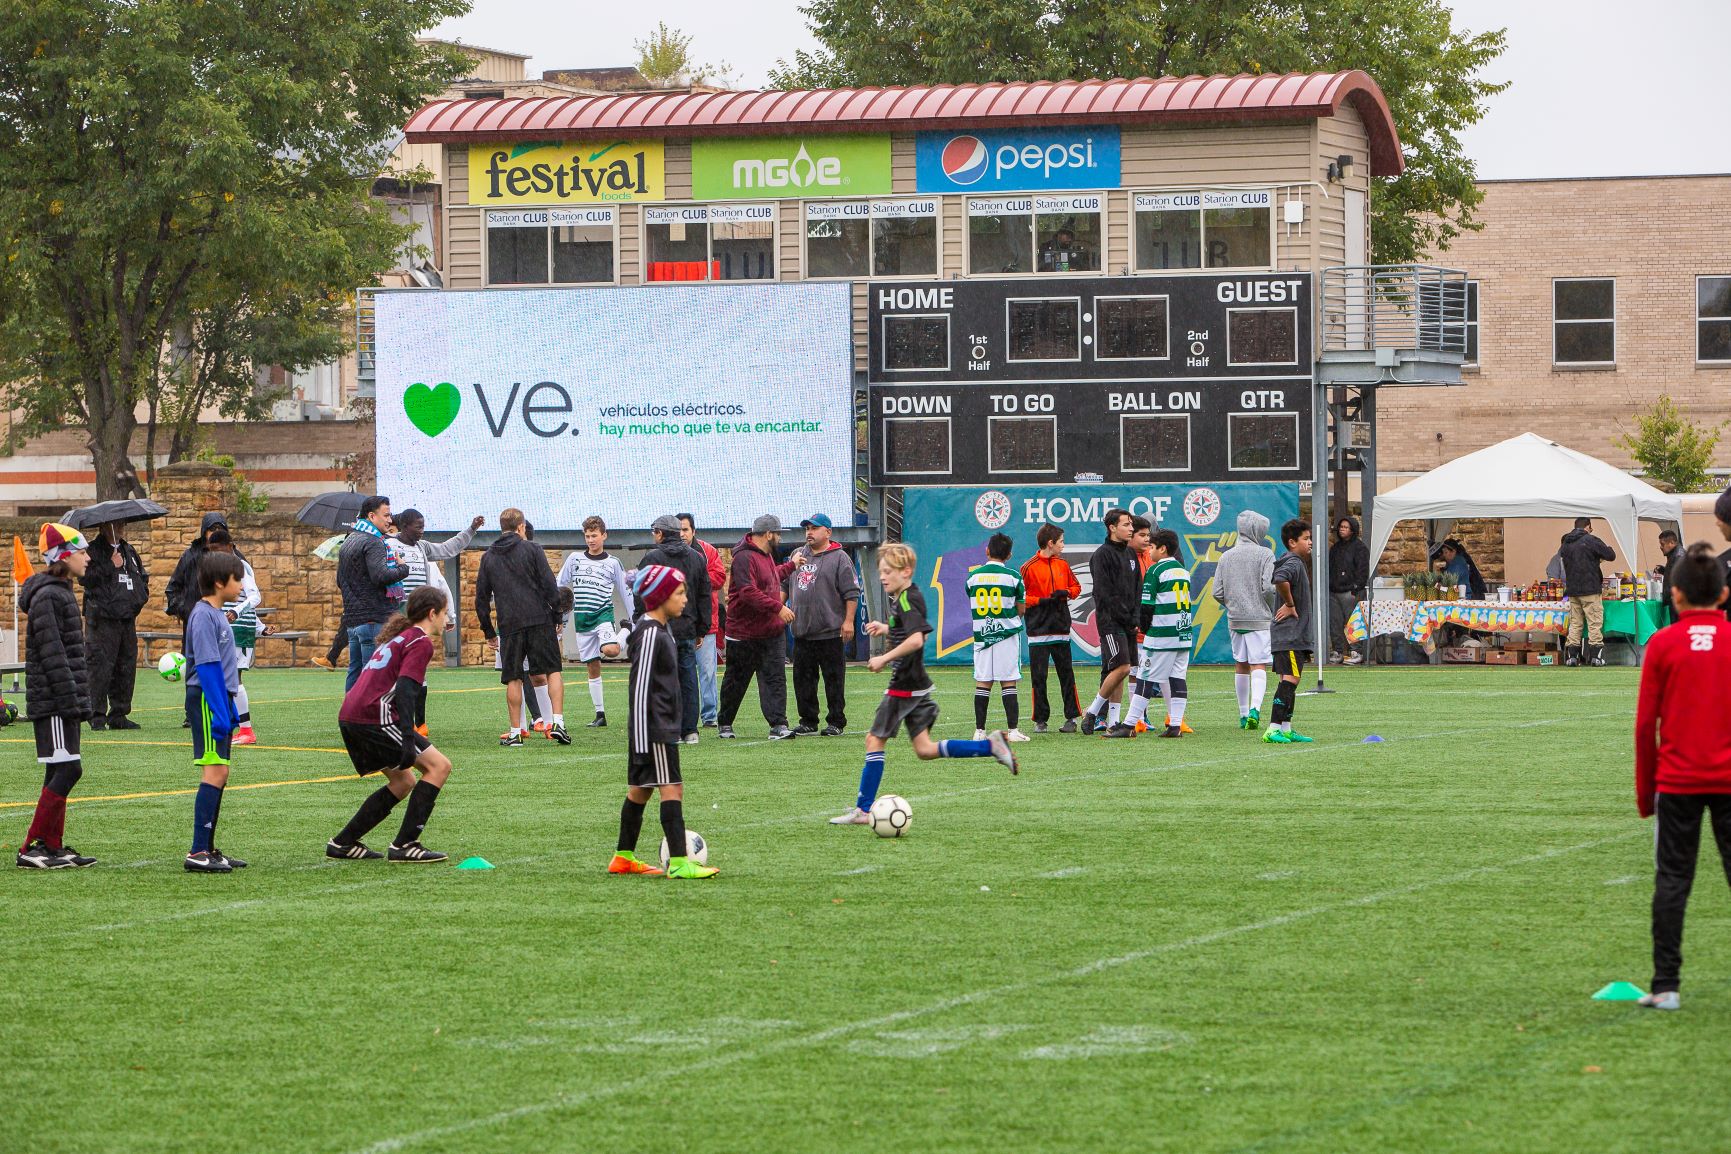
1001,750
979,735
853,816
1016,735
1665,1001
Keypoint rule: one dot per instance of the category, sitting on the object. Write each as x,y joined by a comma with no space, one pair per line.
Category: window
916,445
1471,356
709,242
1154,444
551,246
1044,328
1584,316
1262,336
1022,444
1260,441
1211,228
1047,234
1713,318
859,239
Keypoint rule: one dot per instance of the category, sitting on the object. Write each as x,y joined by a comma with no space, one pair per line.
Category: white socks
543,701
559,720
1258,687
595,693
1138,709
241,705
1099,706
1175,710
1241,685
1112,714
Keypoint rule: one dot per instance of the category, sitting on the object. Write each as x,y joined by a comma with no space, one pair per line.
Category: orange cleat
542,727
421,729
245,736
1183,726
628,864
1141,727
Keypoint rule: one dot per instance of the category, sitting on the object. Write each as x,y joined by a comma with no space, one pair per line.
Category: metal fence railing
366,342
1421,308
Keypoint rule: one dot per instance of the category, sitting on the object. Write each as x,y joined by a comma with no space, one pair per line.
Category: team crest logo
992,510
1202,507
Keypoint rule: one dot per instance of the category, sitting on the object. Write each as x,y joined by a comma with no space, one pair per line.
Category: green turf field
1204,945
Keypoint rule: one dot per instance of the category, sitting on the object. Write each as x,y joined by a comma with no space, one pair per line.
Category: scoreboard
1119,379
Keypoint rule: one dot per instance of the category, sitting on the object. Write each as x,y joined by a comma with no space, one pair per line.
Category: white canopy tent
1526,476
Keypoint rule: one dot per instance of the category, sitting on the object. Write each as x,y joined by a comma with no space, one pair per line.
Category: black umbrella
332,510
129,510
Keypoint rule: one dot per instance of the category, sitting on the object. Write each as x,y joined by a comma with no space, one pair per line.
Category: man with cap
756,624
823,592
688,626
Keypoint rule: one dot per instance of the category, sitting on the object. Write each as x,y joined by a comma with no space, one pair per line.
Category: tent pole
1319,515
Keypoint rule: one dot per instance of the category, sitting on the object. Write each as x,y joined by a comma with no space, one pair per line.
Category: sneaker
37,856
627,863
206,862
233,862
323,663
1067,727
1334,659
854,816
355,852
1669,1000
74,859
687,870
804,730
557,733
1089,723
782,733
1119,730
834,731
725,733
245,736
600,722
511,738
1296,738
1353,659
688,739
98,724
1039,727
979,735
414,852
1172,731
123,723
1002,751
710,724
1016,735
1275,737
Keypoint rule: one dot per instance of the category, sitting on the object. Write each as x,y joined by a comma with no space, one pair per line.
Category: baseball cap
817,519
768,523
667,523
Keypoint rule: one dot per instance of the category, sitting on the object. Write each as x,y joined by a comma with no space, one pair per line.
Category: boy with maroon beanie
1683,752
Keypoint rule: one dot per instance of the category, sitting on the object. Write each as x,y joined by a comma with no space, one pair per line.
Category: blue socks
954,748
204,810
870,778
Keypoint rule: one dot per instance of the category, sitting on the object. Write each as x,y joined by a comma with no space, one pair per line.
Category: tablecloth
1418,620
1637,619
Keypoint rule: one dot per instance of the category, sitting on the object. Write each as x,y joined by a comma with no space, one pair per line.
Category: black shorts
658,767
376,748
57,739
534,650
1117,650
1290,662
207,748
919,714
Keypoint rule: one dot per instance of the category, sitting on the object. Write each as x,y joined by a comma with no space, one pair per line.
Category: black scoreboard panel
1170,378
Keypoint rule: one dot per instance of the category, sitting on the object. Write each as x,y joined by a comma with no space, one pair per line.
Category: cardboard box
1502,657
1547,659
1461,654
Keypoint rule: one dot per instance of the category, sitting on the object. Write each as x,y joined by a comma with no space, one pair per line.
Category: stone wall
1483,538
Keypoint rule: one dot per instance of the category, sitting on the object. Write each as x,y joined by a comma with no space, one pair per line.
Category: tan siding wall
1336,135
953,220
902,164
1117,232
630,244
679,170
860,325
788,257
462,267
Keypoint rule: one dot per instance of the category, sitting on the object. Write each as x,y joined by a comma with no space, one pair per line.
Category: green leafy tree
1429,71
664,59
1672,448
144,146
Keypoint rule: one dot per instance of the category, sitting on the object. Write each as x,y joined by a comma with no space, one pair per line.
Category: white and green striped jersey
593,581
1166,589
994,597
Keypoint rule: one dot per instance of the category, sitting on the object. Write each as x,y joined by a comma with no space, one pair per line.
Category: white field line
566,1101
1066,872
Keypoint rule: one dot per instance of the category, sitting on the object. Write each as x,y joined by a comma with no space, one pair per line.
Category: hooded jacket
676,554
1117,588
754,600
516,581
1244,578
1349,564
1583,557
364,571
56,677
818,593
112,594
182,592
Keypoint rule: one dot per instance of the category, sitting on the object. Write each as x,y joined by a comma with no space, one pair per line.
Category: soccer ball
695,848
172,666
891,815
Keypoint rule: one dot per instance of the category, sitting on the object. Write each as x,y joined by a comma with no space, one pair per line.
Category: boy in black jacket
654,724
1117,595
57,685
516,582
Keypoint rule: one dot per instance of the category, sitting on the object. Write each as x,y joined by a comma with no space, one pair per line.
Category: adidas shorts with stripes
658,767
57,739
376,748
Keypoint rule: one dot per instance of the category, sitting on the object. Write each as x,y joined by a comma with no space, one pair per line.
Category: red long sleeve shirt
1682,729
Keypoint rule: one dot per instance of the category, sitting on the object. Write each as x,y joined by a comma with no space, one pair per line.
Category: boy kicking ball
655,718
908,700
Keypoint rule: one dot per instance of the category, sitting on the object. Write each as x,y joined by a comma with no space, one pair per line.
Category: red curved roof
1167,100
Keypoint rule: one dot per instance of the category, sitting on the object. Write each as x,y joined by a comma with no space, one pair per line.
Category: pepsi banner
1017,160
949,527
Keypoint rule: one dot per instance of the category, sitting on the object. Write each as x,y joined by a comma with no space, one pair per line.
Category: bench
147,637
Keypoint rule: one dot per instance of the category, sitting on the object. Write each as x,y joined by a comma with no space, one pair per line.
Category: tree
1672,448
140,146
664,59
1428,71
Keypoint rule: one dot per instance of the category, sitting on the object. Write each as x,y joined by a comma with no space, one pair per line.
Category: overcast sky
1601,87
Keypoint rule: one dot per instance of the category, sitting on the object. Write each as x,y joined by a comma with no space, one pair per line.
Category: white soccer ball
695,848
172,666
891,815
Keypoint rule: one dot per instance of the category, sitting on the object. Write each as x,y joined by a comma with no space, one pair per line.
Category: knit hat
59,542
1722,507
656,583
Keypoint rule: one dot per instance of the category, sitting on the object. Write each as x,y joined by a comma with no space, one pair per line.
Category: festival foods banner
722,400
588,173
763,167
948,528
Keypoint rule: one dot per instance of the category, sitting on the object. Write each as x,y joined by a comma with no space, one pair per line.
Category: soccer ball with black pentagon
695,848
891,815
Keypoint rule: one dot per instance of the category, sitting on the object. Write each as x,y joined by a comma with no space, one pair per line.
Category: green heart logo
432,410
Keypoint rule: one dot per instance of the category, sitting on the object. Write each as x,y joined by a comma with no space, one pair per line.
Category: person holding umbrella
116,588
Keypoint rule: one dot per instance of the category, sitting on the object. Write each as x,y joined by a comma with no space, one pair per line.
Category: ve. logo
432,410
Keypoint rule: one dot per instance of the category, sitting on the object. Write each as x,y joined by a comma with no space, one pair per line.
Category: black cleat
1120,730
234,862
1089,724
415,852
37,856
1172,731
207,862
834,731
98,724
74,859
782,733
557,733
355,852
123,723
804,730
600,722
511,739
725,734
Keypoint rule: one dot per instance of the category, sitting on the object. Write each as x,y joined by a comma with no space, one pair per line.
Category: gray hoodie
818,590
1244,577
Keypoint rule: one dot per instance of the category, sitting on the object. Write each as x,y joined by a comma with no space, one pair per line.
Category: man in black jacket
116,588
1117,596
365,571
689,626
1669,552
516,582
1583,557
182,593
1348,581
1722,514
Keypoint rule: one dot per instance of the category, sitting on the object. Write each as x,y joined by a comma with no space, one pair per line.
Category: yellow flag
21,569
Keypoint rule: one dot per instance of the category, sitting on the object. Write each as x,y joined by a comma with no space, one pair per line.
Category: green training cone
1620,992
481,863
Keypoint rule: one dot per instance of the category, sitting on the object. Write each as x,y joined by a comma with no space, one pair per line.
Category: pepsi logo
965,159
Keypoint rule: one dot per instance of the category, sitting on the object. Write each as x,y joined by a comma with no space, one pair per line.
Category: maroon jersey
373,699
